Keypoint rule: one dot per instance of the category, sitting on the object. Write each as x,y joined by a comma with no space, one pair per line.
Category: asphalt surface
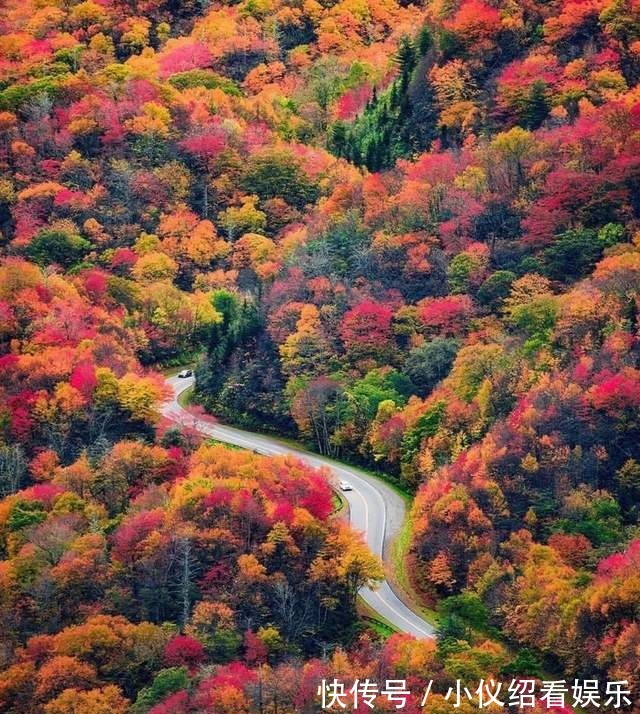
376,510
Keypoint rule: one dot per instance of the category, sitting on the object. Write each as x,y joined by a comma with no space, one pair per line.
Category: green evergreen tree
536,108
425,41
406,59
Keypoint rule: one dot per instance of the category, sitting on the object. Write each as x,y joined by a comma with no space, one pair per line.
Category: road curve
376,510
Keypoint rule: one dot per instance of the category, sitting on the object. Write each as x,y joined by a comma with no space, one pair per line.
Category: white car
345,486
185,373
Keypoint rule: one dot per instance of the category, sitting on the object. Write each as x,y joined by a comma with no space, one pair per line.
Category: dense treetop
407,235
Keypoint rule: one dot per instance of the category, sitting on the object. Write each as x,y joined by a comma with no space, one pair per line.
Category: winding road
376,510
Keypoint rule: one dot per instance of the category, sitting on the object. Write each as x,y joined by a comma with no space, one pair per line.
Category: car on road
185,373
345,486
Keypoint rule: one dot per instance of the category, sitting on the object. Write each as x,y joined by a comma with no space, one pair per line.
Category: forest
403,234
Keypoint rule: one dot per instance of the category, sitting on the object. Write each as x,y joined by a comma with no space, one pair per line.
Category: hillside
405,235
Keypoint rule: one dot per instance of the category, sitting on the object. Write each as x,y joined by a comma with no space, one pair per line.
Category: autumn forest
405,237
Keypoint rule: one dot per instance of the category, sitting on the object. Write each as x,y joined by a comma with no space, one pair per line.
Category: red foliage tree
366,328
184,651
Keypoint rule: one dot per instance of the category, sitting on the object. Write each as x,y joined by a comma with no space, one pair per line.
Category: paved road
376,510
